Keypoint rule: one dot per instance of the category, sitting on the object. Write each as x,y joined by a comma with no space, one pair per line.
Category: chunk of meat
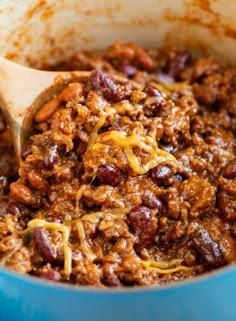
199,194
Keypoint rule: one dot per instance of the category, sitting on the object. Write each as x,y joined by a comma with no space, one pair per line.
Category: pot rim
36,281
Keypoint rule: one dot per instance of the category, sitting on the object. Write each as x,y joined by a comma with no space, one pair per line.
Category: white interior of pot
35,31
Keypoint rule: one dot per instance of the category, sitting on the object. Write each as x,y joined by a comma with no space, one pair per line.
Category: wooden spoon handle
19,86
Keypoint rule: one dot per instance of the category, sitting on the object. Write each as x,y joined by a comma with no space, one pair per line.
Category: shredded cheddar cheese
118,108
65,230
113,212
121,139
79,194
84,244
146,143
165,266
94,134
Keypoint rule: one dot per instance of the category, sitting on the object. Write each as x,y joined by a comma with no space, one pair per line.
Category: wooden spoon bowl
23,91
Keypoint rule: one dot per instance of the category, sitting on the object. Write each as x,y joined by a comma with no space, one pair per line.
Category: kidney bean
179,177
161,173
47,110
108,175
164,78
230,170
22,193
55,219
227,205
26,151
24,220
79,147
128,69
105,83
44,244
51,158
208,249
155,98
73,91
152,201
143,226
111,280
13,208
178,63
49,274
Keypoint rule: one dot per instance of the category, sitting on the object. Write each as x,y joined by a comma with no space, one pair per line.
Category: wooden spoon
23,91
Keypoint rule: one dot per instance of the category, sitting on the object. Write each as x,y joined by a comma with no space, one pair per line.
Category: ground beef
127,181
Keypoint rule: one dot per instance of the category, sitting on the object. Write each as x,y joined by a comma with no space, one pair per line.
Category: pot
39,32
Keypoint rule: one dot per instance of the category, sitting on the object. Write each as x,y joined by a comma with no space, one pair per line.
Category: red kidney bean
143,226
161,173
23,221
111,280
44,244
154,97
208,249
128,69
13,208
178,63
227,204
26,151
108,175
230,170
55,219
49,274
179,177
105,83
164,78
152,201
51,158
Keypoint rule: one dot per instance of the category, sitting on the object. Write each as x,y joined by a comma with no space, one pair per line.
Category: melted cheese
67,249
167,88
147,144
94,134
165,266
122,140
116,109
113,213
84,244
79,194
65,230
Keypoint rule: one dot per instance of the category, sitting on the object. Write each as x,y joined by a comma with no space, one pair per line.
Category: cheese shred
114,213
164,267
121,139
146,143
65,230
84,244
94,134
79,194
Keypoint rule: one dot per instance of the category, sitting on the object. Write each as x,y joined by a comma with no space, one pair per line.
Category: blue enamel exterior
209,298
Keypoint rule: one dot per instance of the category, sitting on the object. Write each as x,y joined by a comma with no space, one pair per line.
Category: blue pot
207,298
